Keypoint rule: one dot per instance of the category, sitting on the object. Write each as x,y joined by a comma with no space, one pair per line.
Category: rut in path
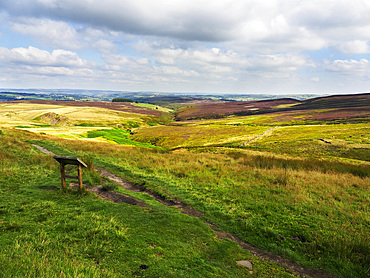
290,266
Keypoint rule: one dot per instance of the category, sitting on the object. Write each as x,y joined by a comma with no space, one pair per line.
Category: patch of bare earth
137,188
115,197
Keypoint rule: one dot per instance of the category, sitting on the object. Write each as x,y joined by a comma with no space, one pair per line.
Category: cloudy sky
218,46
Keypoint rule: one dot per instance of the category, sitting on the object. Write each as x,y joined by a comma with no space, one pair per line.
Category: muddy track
137,188
116,197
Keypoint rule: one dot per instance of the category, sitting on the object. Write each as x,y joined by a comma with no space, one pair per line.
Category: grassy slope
344,141
343,105
80,123
197,134
26,113
303,209
279,197
46,232
348,141
335,101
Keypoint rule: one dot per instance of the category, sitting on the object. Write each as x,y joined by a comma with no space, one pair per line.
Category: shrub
122,100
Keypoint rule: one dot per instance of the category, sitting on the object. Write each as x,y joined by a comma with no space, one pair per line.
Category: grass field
25,114
152,106
343,141
261,198
46,232
197,134
300,190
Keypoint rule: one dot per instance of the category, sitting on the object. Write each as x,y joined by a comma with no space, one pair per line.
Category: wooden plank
69,160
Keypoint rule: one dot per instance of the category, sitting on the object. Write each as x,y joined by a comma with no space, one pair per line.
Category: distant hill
348,104
118,106
223,109
156,98
337,101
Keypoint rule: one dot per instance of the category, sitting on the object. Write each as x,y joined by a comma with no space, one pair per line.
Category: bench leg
80,177
63,175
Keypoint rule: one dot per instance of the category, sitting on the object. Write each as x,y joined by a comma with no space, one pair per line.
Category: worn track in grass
116,197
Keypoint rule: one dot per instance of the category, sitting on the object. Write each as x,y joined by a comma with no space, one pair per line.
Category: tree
122,100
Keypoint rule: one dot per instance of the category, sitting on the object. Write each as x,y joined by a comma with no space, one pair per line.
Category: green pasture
342,141
116,135
197,134
47,232
338,141
301,190
311,211
153,107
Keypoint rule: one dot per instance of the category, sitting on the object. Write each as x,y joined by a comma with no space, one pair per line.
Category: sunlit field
198,134
47,232
298,188
312,211
26,113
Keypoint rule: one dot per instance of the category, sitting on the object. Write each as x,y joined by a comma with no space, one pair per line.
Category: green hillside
185,198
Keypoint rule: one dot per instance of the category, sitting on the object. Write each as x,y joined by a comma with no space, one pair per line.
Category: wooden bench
65,160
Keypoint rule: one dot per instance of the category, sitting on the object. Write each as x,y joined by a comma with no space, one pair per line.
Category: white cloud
281,61
215,60
125,61
61,71
35,66
48,32
142,69
183,19
260,26
350,67
175,71
38,57
315,79
355,47
105,46
230,43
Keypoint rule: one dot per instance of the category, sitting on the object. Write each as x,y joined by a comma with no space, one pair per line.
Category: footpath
116,197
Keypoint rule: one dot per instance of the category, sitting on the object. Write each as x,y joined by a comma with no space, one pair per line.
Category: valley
289,177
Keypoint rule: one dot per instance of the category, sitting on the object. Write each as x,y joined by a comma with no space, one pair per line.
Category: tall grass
268,161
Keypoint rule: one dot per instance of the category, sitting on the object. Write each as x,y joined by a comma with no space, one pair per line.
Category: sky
218,46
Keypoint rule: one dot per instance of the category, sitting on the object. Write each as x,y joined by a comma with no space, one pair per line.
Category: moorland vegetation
289,177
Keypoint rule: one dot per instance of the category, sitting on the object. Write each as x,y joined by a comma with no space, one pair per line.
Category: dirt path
116,197
45,151
255,138
137,188
288,265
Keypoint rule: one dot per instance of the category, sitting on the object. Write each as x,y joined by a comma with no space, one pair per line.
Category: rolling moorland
186,188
